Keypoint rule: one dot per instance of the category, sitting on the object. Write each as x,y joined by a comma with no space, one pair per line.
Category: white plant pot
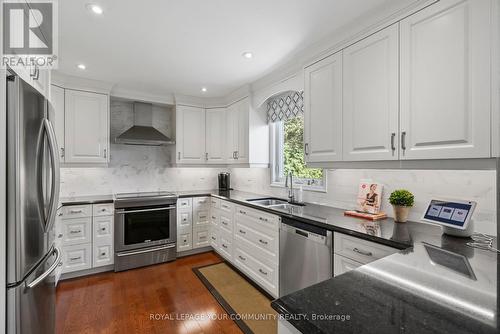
401,213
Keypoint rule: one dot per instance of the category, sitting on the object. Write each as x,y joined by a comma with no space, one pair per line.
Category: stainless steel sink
268,201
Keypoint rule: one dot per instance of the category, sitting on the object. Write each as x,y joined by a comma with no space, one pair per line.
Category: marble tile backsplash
342,187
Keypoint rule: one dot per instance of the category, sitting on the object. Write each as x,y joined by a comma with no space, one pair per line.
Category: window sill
304,187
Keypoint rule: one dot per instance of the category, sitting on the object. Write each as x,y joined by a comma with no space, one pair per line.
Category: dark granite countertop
79,200
422,290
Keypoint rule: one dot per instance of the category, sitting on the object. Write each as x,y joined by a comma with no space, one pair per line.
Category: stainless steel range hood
143,132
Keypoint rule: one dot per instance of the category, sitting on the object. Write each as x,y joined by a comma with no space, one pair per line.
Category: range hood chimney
143,132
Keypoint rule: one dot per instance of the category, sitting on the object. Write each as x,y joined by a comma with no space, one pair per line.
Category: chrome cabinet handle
62,152
103,229
403,140
203,237
263,242
224,223
213,238
103,254
105,153
243,212
75,232
60,214
243,232
206,156
362,252
237,155
60,235
393,146
224,246
242,258
263,219
75,258
306,148
76,211
213,217
262,272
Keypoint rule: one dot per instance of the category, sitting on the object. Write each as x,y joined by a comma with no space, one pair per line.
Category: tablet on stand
455,216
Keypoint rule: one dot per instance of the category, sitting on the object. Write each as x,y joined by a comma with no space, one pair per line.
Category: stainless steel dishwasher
305,255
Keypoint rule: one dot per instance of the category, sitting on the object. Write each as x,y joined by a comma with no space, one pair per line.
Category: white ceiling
179,46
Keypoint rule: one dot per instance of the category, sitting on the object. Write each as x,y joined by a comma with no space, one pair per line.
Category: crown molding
133,95
79,83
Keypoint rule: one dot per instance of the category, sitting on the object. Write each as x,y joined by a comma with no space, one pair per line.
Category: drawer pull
263,242
213,238
362,252
225,206
213,217
224,246
262,272
60,214
104,210
203,217
76,211
103,254
60,235
243,232
243,212
203,237
263,219
242,258
75,232
224,223
75,258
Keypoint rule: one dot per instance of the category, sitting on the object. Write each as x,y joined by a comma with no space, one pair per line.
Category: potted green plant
401,200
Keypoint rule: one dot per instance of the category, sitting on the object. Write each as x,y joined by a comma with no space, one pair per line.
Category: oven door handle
145,210
149,250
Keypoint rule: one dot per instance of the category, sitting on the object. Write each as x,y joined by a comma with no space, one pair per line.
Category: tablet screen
451,213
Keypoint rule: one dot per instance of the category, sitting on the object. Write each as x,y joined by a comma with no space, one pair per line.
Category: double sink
276,204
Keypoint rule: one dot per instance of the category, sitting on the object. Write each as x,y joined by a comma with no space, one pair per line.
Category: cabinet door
86,127
190,135
216,135
231,134
57,116
371,111
323,110
445,81
242,109
103,253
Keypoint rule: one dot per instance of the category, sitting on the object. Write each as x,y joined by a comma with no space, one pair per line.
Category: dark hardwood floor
124,302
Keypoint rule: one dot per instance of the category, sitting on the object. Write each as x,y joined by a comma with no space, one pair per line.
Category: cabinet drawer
184,241
201,203
184,219
76,258
263,274
103,228
226,206
76,231
225,245
103,255
259,217
214,217
184,203
215,203
360,250
266,243
214,238
105,209
226,224
342,264
201,237
201,217
76,211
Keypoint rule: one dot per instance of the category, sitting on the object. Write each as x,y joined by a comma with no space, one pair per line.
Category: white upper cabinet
370,103
57,117
445,81
237,132
86,127
323,110
190,135
216,135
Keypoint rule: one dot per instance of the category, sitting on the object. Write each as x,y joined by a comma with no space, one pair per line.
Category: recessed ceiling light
247,55
204,89
81,66
96,9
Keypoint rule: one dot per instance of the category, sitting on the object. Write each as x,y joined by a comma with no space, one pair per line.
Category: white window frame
277,162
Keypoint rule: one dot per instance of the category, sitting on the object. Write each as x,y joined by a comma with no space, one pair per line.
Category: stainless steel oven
145,229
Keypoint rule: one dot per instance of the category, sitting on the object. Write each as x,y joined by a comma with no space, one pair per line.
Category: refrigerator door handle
54,158
49,271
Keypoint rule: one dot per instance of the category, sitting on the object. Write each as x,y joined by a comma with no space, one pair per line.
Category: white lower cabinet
248,239
85,235
193,223
351,252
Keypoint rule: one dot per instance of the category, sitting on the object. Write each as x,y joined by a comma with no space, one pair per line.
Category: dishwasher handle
310,236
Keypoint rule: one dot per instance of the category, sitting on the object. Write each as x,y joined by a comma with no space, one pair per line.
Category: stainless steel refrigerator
32,199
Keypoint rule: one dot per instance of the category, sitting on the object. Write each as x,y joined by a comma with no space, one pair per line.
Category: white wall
479,186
